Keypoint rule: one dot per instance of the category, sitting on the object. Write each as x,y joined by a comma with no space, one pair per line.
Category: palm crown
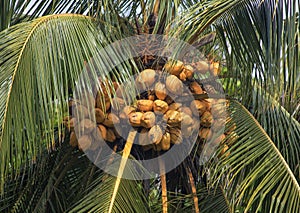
42,55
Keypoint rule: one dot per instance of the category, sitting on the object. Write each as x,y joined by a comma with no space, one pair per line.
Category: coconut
117,104
111,120
110,135
174,67
135,119
148,119
218,125
84,142
176,135
103,131
146,78
160,106
104,105
206,119
219,140
198,107
203,66
182,76
187,131
160,91
187,120
99,114
218,110
175,106
73,140
86,126
145,105
205,133
188,70
81,112
173,118
174,85
166,141
126,112
70,124
223,151
155,134
196,88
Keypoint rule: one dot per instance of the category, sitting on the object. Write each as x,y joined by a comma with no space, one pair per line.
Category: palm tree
44,45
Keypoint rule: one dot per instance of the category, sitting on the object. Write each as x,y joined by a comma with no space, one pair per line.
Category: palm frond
214,200
258,175
128,197
40,62
48,184
272,115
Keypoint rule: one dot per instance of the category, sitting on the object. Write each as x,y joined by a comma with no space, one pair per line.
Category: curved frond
258,174
40,61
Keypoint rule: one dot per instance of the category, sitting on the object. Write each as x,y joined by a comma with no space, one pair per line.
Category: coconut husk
174,85
198,107
145,105
110,135
135,119
206,119
175,106
173,118
176,135
73,139
86,126
155,134
182,76
148,119
195,88
100,116
165,142
205,133
160,106
111,120
146,78
84,142
188,71
174,67
160,91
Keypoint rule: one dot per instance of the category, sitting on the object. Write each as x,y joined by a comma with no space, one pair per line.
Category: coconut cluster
161,115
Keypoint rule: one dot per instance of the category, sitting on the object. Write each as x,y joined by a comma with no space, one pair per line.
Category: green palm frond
40,62
214,200
99,196
258,176
272,115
